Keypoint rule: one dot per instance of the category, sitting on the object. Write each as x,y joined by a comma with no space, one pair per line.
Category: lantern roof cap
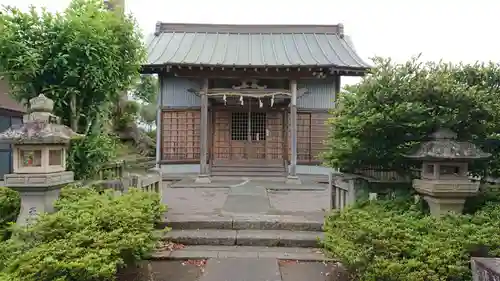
445,146
39,126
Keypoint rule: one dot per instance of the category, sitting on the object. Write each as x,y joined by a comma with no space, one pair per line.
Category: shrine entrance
249,133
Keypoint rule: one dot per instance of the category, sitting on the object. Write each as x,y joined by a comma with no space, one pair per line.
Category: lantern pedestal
38,192
444,196
442,206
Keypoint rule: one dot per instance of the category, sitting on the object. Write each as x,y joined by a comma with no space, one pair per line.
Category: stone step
248,163
248,168
227,237
250,174
241,222
207,252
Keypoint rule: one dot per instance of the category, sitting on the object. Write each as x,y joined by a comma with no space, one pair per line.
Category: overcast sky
460,30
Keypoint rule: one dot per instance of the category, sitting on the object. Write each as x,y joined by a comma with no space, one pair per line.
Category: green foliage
152,134
87,155
398,105
147,92
129,114
10,204
88,239
148,113
83,58
488,194
396,241
147,89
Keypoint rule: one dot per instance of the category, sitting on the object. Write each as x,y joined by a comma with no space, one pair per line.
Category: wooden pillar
159,127
336,82
292,173
204,176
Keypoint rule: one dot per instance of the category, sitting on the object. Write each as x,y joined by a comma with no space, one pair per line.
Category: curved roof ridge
162,27
253,45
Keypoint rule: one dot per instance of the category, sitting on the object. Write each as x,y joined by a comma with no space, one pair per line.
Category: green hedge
10,203
87,155
91,235
396,241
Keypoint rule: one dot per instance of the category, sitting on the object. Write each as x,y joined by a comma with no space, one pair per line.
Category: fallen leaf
198,263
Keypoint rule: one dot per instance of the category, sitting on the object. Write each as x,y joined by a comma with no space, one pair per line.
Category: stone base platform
306,183
228,237
208,252
306,222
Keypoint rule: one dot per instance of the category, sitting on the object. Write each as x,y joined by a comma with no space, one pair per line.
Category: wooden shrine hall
246,100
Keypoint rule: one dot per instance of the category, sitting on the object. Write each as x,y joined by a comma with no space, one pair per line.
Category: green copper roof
252,45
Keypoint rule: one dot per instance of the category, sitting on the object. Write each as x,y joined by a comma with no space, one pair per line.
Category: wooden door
239,135
248,135
258,134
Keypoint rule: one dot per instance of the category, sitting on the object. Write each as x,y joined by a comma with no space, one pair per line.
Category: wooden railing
485,269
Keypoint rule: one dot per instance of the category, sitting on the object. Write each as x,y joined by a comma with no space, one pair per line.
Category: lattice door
239,135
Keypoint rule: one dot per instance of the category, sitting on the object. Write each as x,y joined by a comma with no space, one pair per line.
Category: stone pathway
247,232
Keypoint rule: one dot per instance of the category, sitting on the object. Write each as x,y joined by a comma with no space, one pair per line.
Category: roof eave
335,68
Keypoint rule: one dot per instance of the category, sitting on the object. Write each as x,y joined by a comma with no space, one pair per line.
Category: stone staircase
244,236
248,168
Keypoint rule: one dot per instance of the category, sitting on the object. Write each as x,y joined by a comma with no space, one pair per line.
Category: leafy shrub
87,155
488,194
384,117
88,239
390,241
152,134
10,204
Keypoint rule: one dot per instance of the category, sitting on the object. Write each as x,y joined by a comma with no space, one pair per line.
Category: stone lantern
39,158
444,181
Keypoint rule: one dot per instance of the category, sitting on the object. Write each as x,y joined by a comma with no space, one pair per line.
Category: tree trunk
74,113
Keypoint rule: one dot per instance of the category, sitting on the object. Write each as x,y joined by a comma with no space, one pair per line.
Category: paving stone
237,254
246,204
161,270
194,200
241,269
202,237
248,190
299,201
186,255
311,271
206,251
190,201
